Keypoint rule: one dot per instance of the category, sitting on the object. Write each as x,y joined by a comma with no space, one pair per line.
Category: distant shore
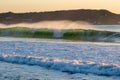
95,17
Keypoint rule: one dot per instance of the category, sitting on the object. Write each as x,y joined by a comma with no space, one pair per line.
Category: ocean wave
64,65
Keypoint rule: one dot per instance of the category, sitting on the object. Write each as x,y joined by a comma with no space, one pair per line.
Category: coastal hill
97,17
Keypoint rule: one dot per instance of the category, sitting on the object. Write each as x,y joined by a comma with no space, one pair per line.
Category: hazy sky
52,5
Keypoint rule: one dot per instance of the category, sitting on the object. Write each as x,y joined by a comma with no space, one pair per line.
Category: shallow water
10,71
53,59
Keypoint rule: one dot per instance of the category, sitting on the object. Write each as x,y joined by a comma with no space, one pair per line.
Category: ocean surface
48,59
113,28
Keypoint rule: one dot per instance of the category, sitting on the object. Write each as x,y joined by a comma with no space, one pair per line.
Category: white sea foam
64,65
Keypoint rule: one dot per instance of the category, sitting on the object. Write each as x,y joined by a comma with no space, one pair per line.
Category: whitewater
98,59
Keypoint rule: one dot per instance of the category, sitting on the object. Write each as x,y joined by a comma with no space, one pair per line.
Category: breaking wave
64,65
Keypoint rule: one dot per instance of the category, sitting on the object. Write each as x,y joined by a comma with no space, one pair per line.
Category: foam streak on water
70,66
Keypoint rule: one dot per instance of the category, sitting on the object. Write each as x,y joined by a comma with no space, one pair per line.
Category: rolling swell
64,65
70,34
